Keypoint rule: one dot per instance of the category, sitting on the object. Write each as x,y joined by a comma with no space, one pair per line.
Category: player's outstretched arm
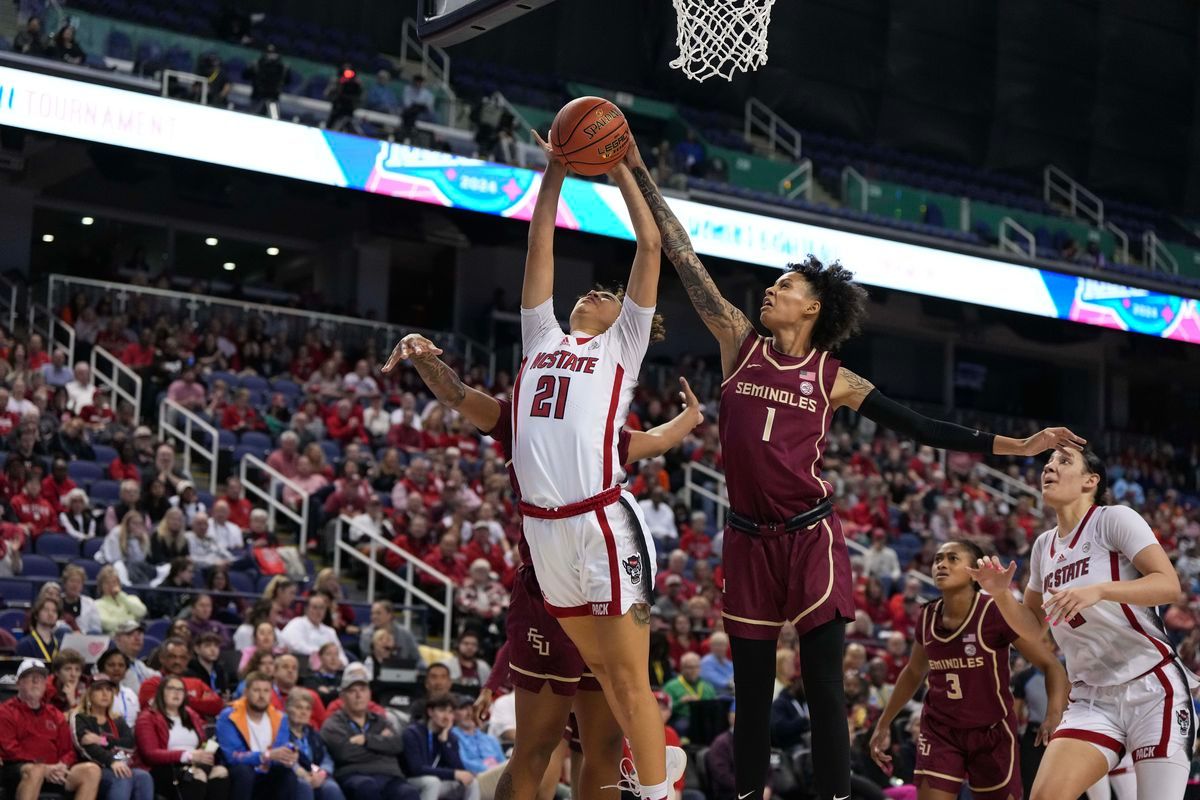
1038,654
906,687
1026,618
642,287
659,440
729,325
481,410
859,394
539,260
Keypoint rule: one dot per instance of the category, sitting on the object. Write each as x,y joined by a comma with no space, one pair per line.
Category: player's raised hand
633,156
691,403
1064,604
551,156
412,346
881,747
1051,439
991,575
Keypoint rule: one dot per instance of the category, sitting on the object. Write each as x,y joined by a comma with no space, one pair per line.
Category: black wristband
933,432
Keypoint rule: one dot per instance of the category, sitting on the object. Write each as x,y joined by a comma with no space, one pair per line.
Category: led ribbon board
113,116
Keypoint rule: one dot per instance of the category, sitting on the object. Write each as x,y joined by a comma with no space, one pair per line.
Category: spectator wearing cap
105,738
33,512
253,736
206,663
482,598
479,750
364,745
686,688
173,657
77,519
671,603
187,500
81,390
78,610
717,667
57,485
314,765
431,757
171,741
466,667
129,639
36,744
285,458
306,634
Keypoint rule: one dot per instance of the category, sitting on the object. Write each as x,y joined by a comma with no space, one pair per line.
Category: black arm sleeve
932,432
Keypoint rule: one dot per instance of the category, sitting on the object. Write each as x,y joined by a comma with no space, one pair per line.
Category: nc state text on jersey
1066,573
774,395
564,360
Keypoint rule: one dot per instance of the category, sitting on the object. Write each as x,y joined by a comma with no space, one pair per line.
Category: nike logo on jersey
747,794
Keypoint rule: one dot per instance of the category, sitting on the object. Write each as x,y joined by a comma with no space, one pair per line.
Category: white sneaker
676,765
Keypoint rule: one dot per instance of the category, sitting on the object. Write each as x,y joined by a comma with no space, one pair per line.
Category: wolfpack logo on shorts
633,568
1183,720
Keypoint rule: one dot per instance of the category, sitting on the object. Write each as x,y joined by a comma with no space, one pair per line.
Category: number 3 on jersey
551,392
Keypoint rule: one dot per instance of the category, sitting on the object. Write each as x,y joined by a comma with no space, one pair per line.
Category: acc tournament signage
102,114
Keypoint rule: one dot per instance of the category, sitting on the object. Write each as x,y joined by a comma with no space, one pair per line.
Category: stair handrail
9,292
798,182
188,438
759,118
102,360
184,77
1059,188
1156,255
1121,253
373,562
1028,244
849,174
1018,487
270,496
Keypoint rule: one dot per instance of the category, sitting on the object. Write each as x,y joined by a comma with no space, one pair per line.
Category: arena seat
58,546
105,492
39,566
85,471
92,546
90,566
16,591
13,620
256,439
104,454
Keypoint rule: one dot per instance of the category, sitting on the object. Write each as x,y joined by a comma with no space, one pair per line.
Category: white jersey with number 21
1110,643
570,402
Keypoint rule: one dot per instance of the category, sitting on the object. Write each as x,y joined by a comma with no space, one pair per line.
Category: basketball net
719,37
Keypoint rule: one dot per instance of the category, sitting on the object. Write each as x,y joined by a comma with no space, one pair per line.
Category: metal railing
1025,246
434,61
62,336
292,322
1121,252
376,547
170,415
109,371
270,496
798,182
187,78
760,120
851,175
692,489
1156,256
1010,489
1060,189
9,292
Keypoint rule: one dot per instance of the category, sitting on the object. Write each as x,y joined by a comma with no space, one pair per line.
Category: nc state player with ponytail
1097,579
968,725
785,559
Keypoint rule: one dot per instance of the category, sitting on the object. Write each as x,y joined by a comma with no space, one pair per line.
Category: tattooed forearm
715,310
444,382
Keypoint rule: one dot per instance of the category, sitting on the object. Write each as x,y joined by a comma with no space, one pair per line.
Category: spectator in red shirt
285,460
651,473
36,743
676,564
417,540
344,423
240,415
57,485
239,506
419,479
447,560
694,539
124,466
37,352
140,354
405,435
896,656
173,657
32,510
352,494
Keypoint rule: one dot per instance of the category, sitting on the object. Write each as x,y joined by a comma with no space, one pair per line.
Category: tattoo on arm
444,382
858,384
715,310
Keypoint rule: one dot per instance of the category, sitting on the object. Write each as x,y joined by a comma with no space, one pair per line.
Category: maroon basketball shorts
983,758
540,651
802,577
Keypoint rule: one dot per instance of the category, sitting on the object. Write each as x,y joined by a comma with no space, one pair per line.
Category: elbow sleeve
933,432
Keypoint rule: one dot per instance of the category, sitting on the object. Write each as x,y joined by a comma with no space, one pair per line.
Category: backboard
446,22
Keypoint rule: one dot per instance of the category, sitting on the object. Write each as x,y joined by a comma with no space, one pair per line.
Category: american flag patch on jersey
808,376
970,637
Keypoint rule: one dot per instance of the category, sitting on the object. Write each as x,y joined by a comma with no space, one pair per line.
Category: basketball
590,134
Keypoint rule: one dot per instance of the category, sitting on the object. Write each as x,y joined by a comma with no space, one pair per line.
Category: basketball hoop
719,37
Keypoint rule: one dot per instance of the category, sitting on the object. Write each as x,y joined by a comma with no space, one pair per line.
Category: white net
720,37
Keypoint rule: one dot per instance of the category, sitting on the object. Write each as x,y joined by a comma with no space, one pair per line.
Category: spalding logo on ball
590,134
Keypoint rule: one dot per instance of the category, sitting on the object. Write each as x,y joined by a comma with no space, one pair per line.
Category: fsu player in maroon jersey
968,726
785,558
546,667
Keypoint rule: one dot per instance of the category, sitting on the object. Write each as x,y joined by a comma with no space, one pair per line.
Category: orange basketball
590,134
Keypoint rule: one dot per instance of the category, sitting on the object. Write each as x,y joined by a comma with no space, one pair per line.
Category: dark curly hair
658,329
843,302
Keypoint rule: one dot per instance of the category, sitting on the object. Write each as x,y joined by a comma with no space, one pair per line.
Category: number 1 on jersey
546,392
770,424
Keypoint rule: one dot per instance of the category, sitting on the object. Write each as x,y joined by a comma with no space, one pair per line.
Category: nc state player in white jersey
1097,579
591,550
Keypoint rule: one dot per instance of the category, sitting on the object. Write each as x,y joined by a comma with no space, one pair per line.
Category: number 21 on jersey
550,396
